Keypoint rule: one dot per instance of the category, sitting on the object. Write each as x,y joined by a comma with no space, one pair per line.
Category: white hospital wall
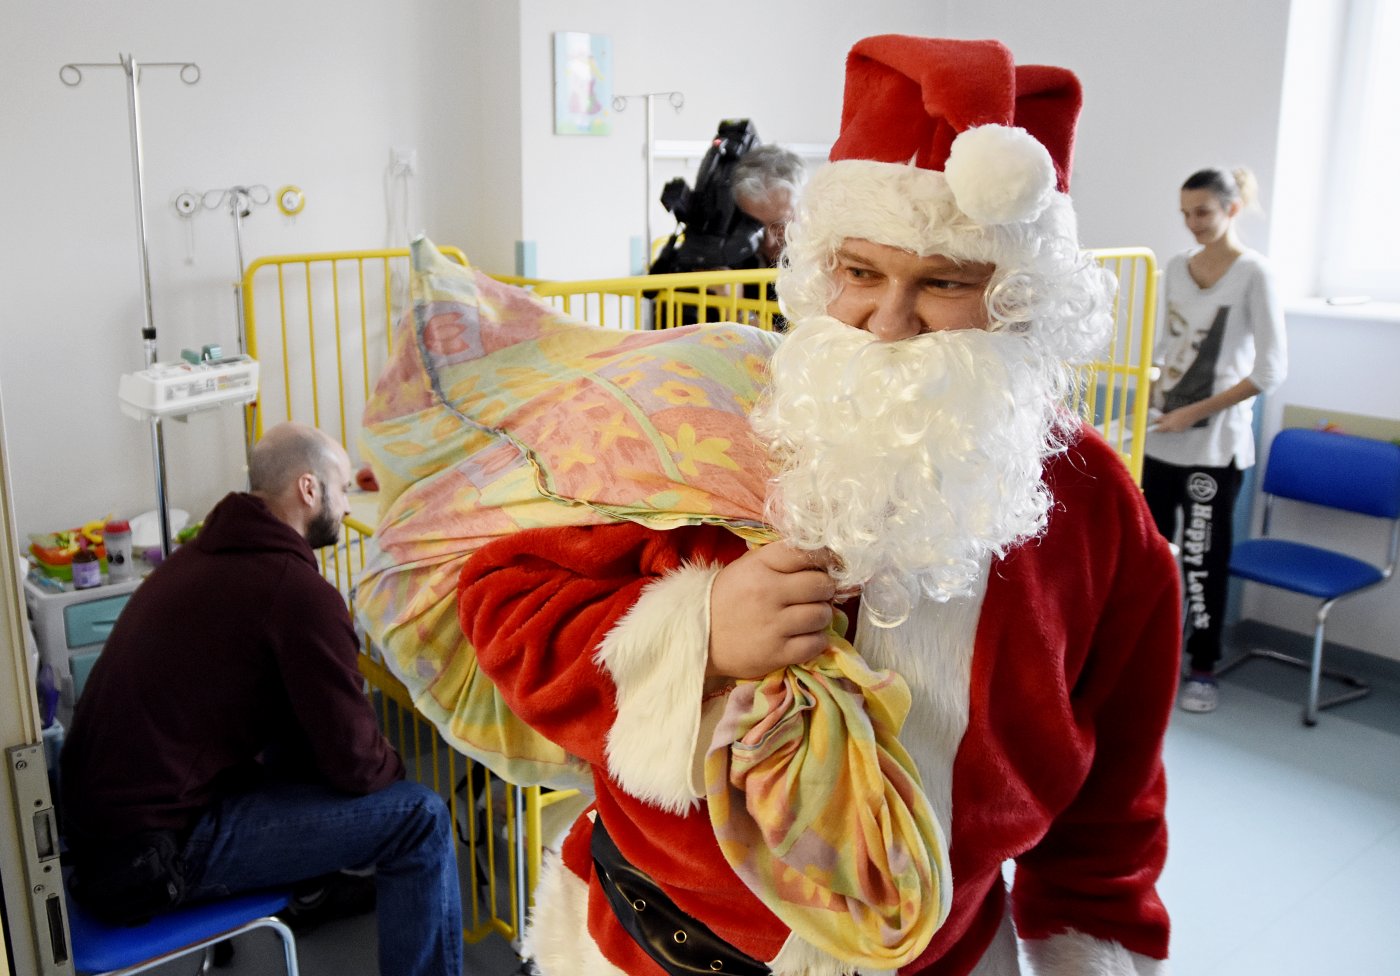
483,114
1169,88
778,63
308,93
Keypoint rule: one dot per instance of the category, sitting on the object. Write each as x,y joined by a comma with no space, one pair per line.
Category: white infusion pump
179,388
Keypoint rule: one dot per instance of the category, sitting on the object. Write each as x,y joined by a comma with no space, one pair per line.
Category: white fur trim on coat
1076,954
557,938
1003,957
656,656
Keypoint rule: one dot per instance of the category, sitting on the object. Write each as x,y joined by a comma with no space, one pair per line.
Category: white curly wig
1045,286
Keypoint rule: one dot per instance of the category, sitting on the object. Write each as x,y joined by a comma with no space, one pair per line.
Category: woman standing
1222,343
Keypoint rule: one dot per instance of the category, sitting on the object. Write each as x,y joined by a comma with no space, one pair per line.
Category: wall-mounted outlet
403,160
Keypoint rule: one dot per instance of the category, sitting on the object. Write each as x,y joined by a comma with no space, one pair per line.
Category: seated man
224,741
1007,568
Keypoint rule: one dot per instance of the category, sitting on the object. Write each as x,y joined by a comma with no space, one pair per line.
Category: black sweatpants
1201,501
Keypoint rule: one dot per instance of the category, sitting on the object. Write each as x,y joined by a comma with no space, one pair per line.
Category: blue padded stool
99,948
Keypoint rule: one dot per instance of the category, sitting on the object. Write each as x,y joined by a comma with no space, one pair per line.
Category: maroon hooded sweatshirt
233,663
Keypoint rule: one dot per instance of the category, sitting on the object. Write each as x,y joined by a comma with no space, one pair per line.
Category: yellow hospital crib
321,327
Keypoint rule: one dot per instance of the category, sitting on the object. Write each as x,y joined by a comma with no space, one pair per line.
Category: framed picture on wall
582,84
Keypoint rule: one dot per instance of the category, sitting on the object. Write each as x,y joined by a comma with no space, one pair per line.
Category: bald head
288,451
303,475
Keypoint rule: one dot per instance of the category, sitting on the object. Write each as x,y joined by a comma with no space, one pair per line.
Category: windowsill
1321,309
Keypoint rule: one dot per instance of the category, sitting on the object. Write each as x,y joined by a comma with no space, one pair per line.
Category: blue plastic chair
1337,471
118,950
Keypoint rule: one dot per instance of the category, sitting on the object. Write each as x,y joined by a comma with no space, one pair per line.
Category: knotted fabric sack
815,801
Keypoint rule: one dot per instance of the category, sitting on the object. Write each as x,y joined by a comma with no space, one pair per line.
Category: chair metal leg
1359,688
289,943
1315,670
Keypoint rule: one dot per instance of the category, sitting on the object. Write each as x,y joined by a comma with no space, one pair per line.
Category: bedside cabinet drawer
91,622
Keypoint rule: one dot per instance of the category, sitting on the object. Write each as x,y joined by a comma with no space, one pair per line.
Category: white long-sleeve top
1209,340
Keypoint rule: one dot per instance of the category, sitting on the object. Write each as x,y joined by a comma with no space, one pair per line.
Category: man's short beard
324,528
912,462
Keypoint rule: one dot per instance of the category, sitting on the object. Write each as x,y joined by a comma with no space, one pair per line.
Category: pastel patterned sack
498,413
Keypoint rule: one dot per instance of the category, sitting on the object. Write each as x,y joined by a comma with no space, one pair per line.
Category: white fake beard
910,461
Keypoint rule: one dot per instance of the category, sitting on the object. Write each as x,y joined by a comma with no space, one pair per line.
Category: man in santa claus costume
1006,566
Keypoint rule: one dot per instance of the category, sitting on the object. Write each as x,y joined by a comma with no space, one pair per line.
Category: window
1360,252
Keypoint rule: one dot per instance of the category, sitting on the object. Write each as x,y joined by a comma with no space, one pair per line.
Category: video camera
717,234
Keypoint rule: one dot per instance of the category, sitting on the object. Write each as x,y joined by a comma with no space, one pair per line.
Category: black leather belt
681,945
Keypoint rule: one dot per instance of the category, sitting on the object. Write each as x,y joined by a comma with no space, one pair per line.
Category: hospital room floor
1284,853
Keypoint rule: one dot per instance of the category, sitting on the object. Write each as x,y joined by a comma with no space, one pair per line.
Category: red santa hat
947,146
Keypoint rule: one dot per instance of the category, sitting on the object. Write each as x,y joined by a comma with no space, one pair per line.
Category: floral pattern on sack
498,412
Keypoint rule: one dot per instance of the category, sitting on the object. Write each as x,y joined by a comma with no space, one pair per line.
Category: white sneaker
1199,695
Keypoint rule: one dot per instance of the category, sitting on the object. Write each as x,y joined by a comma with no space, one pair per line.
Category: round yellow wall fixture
290,200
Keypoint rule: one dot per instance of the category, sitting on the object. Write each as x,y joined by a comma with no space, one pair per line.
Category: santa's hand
768,609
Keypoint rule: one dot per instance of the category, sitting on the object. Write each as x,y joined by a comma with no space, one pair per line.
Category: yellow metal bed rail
328,321
487,814
666,301
1114,392
501,829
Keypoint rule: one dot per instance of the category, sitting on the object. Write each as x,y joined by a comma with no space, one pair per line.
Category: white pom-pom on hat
999,174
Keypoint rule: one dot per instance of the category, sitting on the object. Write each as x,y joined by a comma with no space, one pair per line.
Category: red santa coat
1039,740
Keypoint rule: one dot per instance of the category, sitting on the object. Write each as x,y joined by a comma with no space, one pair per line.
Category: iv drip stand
240,205
619,104
72,76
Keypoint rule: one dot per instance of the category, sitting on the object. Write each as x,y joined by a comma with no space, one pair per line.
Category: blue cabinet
71,626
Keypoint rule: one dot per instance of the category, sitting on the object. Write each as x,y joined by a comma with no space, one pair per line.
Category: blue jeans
286,833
